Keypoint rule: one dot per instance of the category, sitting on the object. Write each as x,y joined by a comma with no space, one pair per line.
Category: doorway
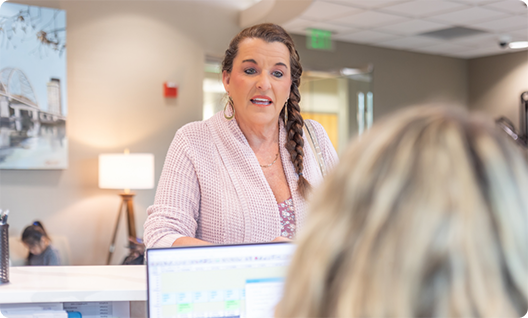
341,101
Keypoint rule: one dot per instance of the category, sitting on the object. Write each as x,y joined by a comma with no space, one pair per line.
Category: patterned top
287,214
213,188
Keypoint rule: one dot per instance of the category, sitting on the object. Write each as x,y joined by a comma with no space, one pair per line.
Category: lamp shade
126,171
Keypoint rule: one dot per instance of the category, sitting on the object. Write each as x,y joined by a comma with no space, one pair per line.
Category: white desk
42,284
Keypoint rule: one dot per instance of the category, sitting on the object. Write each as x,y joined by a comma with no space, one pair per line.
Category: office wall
401,78
496,84
119,54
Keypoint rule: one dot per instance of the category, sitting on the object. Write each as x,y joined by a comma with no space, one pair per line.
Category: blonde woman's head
426,215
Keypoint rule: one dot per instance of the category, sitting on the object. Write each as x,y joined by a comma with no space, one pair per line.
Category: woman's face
259,82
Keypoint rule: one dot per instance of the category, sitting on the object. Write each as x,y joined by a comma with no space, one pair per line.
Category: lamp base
127,202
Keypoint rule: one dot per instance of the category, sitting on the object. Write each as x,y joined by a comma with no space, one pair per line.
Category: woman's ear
225,80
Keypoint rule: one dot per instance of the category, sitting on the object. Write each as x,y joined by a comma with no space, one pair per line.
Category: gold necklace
271,164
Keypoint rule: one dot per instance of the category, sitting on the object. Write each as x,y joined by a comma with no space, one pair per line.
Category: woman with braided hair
243,175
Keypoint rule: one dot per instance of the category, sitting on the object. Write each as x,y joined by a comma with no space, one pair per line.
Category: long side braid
295,141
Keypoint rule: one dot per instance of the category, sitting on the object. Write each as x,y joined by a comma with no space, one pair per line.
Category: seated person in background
426,215
38,243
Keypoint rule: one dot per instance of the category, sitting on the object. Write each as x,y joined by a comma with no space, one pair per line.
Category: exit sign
319,39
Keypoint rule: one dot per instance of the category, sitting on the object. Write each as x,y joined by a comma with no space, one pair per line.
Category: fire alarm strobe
170,90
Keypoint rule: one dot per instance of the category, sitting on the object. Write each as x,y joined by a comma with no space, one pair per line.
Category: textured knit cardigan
213,188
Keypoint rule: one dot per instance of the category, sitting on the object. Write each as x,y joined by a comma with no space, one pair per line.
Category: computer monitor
228,281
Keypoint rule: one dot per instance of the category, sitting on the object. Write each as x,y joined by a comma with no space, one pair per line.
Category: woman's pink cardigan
213,188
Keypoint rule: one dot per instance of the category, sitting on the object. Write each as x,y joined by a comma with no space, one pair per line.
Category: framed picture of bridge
33,104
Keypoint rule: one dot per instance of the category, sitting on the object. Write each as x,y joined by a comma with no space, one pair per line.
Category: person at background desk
243,175
38,243
428,217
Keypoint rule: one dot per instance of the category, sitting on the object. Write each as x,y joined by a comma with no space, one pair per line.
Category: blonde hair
426,215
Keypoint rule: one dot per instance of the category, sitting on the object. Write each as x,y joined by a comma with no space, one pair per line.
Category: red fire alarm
170,90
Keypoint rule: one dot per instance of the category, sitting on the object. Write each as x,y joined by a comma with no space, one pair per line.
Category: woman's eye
277,74
250,71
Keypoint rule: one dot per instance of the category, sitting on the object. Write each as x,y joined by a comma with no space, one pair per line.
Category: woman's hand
282,239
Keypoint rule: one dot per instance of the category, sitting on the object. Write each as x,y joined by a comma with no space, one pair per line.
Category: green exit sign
319,39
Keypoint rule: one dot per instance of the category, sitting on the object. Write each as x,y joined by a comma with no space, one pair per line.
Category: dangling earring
286,112
230,103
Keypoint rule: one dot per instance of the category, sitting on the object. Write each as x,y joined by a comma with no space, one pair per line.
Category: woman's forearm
189,241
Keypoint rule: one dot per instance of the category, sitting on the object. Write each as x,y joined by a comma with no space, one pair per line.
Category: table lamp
126,171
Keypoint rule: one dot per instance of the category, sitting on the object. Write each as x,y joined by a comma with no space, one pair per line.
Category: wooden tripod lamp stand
126,171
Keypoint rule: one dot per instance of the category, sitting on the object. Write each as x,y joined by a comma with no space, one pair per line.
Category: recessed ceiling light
518,45
525,2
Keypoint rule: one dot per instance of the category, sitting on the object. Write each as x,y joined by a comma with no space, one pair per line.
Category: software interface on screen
227,281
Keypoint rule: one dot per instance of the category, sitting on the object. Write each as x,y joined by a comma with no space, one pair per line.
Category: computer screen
229,281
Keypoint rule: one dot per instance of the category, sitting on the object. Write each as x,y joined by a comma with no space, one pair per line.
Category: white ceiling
239,5
398,24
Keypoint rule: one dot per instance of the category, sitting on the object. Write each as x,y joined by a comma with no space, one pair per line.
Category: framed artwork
33,104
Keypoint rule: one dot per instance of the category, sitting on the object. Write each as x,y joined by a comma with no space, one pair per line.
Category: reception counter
74,283
52,284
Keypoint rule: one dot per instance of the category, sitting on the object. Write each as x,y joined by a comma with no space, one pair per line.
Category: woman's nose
263,82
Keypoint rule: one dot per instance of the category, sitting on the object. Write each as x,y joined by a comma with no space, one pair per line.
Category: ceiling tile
410,42
235,4
510,6
420,8
365,37
297,23
367,4
320,11
368,19
468,16
413,27
334,28
504,24
389,23
444,48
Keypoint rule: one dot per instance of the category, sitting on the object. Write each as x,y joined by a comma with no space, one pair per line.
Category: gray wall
119,54
496,84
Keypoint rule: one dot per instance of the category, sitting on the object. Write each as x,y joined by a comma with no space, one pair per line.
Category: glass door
213,89
341,101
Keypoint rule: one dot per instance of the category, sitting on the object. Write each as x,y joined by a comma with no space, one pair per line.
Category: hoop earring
230,103
285,113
